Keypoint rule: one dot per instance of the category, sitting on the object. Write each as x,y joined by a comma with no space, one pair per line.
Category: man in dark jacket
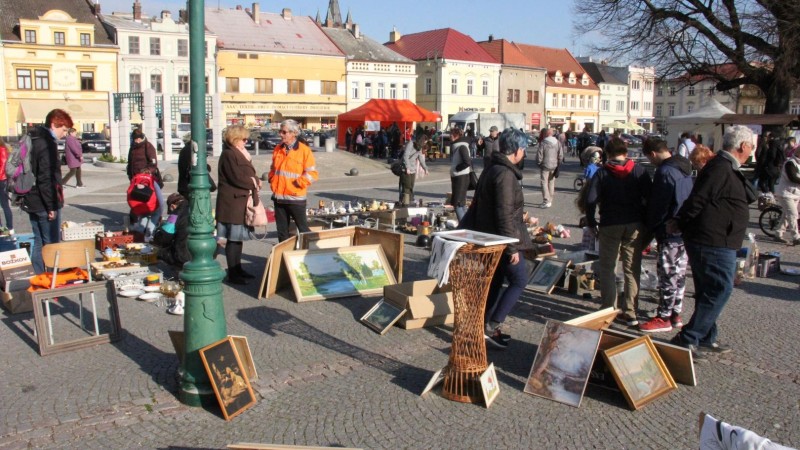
173,235
142,155
489,145
497,209
621,189
44,201
672,184
713,221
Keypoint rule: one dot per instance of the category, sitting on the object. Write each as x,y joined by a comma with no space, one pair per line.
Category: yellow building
273,67
56,58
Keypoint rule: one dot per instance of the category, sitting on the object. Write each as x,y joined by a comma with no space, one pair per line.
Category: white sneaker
11,232
176,310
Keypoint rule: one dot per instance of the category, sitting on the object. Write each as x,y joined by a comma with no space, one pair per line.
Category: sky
538,22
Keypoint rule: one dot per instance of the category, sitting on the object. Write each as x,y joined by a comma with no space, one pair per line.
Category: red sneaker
656,325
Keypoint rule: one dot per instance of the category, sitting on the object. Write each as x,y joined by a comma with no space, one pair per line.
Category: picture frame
639,371
475,237
437,378
563,363
228,377
596,320
678,359
338,272
338,237
489,385
382,316
547,274
243,349
275,275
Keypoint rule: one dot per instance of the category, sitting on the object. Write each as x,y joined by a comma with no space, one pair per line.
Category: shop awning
308,112
256,111
35,111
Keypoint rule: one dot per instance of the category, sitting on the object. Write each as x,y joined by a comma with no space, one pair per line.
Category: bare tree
760,38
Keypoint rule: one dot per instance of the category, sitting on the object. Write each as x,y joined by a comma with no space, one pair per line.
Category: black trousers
285,211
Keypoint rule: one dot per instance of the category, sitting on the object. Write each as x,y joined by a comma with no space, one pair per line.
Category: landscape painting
338,272
563,362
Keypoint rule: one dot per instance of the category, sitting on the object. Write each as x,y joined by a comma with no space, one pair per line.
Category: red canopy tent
387,112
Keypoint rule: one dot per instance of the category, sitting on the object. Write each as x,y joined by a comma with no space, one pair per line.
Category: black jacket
621,190
174,248
47,194
716,213
185,171
672,185
498,204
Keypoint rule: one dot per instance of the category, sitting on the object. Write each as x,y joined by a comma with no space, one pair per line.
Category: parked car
268,140
175,142
95,143
631,140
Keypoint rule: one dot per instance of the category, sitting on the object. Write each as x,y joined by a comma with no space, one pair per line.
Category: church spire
318,20
334,16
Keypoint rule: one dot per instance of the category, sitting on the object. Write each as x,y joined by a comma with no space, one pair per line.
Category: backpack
18,168
142,195
399,167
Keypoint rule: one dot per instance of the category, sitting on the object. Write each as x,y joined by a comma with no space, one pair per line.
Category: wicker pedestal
471,273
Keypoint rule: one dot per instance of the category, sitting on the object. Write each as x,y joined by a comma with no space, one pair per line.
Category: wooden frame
382,316
677,359
275,275
228,377
335,238
331,273
547,274
43,329
489,385
639,371
475,237
243,348
563,363
437,378
596,320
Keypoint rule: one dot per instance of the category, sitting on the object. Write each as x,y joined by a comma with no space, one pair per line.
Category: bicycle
580,180
770,219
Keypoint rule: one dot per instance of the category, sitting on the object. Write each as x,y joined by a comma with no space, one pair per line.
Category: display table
471,273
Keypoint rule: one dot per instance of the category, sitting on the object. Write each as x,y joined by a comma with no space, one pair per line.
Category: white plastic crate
82,231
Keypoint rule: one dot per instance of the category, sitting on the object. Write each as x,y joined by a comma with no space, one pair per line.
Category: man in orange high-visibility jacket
293,170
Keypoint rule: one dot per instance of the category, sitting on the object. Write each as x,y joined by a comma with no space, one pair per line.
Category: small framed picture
382,316
437,378
547,274
243,349
639,371
489,385
228,377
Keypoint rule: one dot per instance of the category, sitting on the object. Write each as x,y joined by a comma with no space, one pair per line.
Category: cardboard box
15,264
16,298
427,304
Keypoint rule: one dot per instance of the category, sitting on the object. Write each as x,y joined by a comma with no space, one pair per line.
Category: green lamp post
204,316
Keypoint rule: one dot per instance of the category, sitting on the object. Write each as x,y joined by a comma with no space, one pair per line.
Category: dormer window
572,78
585,80
558,77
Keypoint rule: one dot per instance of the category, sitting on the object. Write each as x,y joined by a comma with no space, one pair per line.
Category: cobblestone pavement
326,380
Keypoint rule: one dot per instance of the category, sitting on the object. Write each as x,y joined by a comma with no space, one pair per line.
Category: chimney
491,37
166,14
137,11
287,13
96,9
238,7
256,13
356,31
394,35
183,16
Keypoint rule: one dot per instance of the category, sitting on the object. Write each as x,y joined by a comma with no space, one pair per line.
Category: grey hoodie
550,153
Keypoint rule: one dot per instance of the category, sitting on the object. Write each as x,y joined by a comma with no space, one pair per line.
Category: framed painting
547,274
677,359
563,363
437,378
639,371
275,276
338,272
382,316
489,385
475,237
228,377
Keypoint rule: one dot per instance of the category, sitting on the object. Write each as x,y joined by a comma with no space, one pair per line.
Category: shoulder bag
255,214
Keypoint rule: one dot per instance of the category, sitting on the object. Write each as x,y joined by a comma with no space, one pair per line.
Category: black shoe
627,321
244,274
696,356
496,340
715,347
235,278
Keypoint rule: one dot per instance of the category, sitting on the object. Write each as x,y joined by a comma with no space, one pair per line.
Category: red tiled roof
728,71
506,52
444,43
554,59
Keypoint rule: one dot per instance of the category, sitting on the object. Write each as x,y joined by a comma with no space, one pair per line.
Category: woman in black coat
460,166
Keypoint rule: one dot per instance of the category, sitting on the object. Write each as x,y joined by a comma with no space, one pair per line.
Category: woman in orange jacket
292,172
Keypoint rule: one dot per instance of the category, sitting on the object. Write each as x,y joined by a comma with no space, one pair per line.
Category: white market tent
701,121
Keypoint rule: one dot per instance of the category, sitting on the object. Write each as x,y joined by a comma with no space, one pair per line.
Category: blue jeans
713,269
44,232
498,306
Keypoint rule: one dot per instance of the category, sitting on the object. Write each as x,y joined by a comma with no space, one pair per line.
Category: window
648,85
241,55
554,103
794,109
572,98
689,107
42,79
485,89
183,47
380,90
620,105
634,106
672,91
393,90
155,46
232,84
428,86
24,79
660,91
454,85
536,97
582,101
133,45
183,84
59,38
563,100
328,88
206,83
469,87
264,86
86,40
87,81
205,52
711,91
658,110
647,106
406,92
354,89
295,86
510,96
590,102
155,82
367,91
516,95
691,91
671,108
635,85
530,96
30,36
605,105
136,82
